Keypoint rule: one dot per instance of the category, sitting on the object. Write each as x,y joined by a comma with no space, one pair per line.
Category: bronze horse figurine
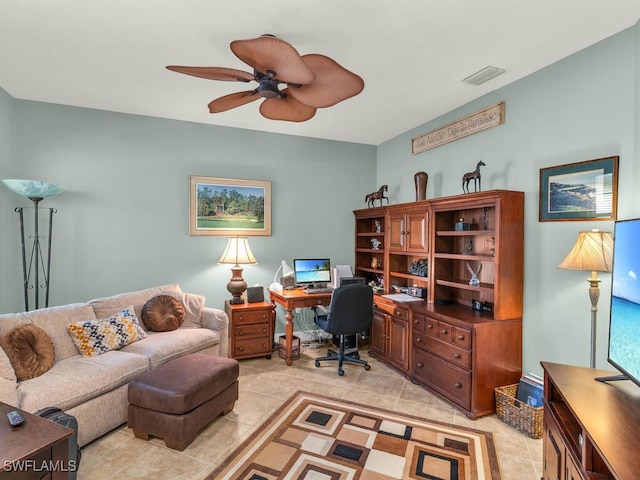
475,176
370,198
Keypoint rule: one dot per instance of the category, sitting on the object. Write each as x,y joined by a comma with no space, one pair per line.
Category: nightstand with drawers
251,327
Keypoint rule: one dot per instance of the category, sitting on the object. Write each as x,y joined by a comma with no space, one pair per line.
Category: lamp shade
33,188
238,252
593,251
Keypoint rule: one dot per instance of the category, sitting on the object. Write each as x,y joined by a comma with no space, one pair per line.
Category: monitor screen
312,270
624,326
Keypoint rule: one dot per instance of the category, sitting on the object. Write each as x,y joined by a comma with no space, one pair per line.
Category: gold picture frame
229,206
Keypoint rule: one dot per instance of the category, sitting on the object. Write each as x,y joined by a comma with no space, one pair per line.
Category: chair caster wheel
340,372
317,363
367,367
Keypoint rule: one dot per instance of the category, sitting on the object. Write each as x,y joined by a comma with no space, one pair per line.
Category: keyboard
318,290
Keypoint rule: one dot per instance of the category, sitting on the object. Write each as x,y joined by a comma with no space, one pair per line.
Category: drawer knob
416,321
445,331
419,339
264,316
420,365
264,330
457,356
458,385
240,333
241,317
461,337
241,349
430,327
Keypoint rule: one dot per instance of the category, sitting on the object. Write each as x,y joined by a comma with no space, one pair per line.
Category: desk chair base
342,357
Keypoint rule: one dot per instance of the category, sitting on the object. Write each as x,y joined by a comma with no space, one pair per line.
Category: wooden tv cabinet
590,428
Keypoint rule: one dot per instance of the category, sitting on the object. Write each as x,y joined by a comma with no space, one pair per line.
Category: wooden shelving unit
419,342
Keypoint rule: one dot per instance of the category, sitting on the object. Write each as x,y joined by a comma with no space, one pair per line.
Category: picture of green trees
230,206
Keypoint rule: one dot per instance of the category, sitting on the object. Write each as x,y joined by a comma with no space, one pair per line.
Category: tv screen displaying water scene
312,270
624,328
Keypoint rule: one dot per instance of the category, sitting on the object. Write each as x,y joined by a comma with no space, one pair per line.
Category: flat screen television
624,326
312,271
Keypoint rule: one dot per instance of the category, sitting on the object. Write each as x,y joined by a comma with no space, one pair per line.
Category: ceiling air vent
484,75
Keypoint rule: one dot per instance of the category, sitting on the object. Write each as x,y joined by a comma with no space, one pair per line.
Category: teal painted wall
581,108
122,223
8,167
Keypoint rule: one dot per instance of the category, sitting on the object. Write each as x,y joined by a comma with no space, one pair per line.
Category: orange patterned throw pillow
95,337
162,313
30,351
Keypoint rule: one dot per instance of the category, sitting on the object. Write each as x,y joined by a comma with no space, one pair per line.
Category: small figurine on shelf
378,226
376,263
474,275
376,243
475,176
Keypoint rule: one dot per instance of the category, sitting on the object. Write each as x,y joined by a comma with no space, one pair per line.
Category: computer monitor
312,271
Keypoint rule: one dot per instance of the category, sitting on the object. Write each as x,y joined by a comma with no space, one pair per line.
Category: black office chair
350,312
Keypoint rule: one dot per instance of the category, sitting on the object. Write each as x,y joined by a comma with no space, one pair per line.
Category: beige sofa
94,389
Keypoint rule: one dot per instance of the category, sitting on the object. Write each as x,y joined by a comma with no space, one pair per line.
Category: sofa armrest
9,392
217,320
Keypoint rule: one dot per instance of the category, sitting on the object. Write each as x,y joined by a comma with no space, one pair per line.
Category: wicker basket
518,414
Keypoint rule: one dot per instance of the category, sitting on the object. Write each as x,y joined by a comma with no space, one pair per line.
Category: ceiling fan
310,81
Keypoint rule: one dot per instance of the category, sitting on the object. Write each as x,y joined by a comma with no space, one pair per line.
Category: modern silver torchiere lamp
35,191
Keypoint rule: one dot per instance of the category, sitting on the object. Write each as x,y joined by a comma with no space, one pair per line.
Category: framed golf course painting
229,206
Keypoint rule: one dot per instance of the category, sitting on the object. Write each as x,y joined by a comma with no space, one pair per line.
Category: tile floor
264,385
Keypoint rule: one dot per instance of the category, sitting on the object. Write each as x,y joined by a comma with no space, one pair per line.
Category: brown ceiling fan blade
233,100
268,53
288,109
214,73
333,84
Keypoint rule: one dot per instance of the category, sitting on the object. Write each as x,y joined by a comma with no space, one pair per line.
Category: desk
292,299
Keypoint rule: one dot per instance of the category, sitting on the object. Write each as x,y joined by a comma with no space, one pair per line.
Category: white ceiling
412,54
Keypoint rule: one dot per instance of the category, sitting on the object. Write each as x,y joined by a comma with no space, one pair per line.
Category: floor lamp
35,191
593,251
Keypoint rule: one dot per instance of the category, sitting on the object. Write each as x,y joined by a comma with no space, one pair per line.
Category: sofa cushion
95,337
77,379
193,306
105,307
29,349
54,321
162,313
160,347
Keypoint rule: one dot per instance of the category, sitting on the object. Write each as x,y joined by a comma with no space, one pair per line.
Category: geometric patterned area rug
312,437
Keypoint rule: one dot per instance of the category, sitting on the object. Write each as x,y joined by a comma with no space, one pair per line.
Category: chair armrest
321,310
215,319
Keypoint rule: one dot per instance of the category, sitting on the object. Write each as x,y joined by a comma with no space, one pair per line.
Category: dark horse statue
370,198
475,176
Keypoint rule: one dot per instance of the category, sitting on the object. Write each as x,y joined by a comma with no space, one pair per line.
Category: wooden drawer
246,317
391,309
251,331
418,322
431,326
462,337
450,381
252,347
445,331
446,351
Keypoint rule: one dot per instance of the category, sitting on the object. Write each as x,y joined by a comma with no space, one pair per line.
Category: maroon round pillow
30,351
162,313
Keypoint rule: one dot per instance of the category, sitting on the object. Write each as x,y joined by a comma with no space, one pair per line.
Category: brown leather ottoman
174,401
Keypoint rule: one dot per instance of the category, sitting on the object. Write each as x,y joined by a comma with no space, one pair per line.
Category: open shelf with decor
370,244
